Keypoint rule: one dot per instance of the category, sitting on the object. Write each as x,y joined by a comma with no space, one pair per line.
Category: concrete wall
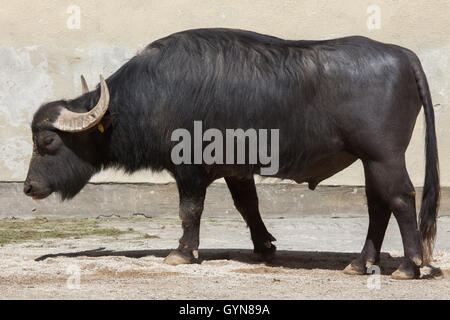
43,52
161,201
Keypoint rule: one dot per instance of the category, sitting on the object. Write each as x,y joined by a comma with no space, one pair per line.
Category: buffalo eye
48,140
49,144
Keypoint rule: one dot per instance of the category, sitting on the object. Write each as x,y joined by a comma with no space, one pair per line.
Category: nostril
27,189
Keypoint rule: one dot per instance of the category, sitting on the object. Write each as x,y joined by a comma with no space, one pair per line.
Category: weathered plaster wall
41,58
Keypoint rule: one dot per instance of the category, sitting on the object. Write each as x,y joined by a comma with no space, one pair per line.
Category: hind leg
245,199
379,215
391,182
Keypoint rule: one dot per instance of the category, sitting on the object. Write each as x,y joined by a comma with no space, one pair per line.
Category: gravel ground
312,251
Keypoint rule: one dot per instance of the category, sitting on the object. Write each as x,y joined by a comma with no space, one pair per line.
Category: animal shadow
284,258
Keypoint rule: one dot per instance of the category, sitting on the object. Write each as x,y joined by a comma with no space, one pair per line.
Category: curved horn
84,86
70,121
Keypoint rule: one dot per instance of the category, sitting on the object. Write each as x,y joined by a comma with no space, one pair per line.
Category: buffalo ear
108,120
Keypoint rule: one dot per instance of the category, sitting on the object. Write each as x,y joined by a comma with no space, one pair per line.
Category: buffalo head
65,147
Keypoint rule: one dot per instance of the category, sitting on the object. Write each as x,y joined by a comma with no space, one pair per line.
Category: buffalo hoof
400,274
177,257
353,270
265,255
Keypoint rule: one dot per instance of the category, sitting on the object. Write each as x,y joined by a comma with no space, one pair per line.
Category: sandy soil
312,252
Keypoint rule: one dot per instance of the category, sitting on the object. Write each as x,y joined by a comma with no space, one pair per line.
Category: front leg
245,199
192,192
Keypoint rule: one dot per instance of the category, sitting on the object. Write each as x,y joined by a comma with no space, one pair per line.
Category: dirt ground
312,251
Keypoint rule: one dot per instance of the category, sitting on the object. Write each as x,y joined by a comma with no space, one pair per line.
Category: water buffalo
333,101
